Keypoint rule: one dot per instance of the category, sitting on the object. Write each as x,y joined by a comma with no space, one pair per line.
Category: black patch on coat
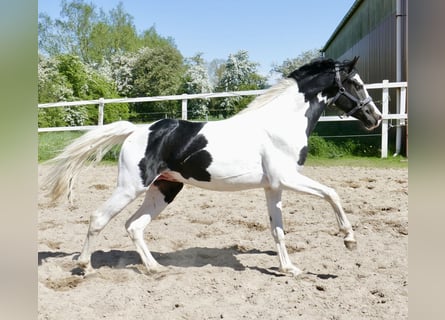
177,146
169,189
313,114
303,156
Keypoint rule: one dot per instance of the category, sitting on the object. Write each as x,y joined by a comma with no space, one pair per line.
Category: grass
51,143
354,161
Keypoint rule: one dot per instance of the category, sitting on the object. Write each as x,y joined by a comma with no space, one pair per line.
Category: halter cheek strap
342,91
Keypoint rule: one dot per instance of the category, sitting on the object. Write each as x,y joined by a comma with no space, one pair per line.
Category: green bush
320,147
66,78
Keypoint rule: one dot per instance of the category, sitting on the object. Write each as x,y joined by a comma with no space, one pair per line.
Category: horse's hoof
292,270
351,244
83,264
158,269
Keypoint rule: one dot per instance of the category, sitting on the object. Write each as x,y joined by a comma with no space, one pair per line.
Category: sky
270,31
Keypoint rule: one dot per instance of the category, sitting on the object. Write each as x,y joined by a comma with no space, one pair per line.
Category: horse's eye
357,85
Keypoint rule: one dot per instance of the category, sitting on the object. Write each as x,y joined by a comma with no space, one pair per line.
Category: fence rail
401,116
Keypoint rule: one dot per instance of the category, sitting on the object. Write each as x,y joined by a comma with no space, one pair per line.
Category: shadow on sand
191,257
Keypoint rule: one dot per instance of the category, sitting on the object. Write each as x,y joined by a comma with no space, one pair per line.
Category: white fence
401,116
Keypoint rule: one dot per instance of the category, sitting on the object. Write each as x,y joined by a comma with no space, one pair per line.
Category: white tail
89,147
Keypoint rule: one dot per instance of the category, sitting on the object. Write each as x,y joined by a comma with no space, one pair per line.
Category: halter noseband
342,91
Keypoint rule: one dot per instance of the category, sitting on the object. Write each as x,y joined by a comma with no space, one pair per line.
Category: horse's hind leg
273,199
158,196
120,198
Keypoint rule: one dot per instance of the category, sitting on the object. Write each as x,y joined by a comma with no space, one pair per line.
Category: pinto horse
264,146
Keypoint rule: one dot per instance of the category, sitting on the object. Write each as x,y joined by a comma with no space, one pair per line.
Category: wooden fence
400,116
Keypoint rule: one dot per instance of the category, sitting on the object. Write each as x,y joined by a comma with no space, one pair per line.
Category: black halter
342,91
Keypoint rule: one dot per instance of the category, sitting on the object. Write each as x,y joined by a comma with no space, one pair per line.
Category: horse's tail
91,147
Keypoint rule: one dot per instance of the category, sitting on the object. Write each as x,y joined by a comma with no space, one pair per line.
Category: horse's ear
352,63
349,65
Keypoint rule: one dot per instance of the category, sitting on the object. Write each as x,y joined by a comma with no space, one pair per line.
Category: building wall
369,30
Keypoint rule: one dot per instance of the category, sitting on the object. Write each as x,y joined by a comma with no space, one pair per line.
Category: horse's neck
288,113
277,102
290,103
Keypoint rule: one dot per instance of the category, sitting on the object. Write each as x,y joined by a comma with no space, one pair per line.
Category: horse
263,146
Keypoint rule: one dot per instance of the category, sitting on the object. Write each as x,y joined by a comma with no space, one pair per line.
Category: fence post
100,121
402,104
385,102
401,109
184,108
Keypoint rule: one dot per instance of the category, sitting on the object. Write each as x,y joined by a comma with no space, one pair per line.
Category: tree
76,28
48,38
66,77
120,71
53,86
196,80
113,34
157,72
94,36
215,70
151,39
289,65
123,37
238,73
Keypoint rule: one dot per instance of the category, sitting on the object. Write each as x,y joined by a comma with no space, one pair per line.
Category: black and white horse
264,146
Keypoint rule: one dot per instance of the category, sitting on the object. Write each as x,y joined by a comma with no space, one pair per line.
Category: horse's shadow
190,257
186,258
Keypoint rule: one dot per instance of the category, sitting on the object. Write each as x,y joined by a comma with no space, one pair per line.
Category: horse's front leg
273,198
301,183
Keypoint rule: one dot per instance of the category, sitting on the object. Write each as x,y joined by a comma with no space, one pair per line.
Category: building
375,30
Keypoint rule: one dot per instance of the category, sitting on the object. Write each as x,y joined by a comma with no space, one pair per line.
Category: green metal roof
360,20
342,23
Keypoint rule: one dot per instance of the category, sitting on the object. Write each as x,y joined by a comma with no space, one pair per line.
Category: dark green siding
368,30
365,17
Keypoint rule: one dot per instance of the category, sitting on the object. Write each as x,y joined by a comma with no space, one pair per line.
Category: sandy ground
221,257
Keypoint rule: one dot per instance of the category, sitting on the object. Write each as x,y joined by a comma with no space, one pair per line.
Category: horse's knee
97,223
331,195
135,229
131,230
277,234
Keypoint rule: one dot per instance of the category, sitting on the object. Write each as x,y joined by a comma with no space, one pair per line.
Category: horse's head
342,85
348,93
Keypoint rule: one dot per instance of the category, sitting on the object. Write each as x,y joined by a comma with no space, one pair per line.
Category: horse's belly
240,181
230,181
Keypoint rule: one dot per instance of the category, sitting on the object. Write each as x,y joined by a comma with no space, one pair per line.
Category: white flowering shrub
196,80
120,71
238,73
75,116
67,78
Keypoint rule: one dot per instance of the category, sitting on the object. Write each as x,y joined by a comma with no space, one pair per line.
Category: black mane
314,77
318,76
